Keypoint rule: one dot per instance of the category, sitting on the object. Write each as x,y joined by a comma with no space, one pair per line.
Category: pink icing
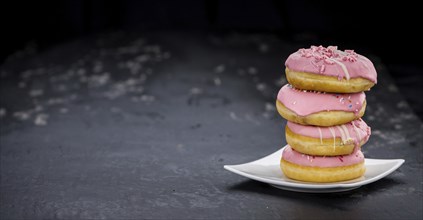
304,102
295,157
358,131
331,62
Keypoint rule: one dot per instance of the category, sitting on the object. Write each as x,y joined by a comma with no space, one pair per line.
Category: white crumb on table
36,92
219,69
41,119
2,112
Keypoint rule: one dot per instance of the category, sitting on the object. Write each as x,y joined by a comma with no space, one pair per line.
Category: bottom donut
322,169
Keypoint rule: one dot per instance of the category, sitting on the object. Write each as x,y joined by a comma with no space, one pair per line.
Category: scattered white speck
195,91
180,147
263,47
98,67
2,112
261,86
152,48
391,137
21,115
38,108
402,104
128,50
135,99
55,101
21,85
250,118
166,55
267,115
219,69
41,119
397,126
233,116
70,73
281,81
401,118
392,88
99,80
217,81
64,110
129,64
241,72
138,89
26,74
252,70
379,110
135,68
83,79
62,88
142,78
122,88
81,72
269,107
142,58
371,117
147,98
73,97
36,92
131,82
54,78
114,109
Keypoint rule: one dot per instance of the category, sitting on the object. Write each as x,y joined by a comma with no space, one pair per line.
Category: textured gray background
133,125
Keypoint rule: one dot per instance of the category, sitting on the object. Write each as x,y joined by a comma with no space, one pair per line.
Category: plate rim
397,164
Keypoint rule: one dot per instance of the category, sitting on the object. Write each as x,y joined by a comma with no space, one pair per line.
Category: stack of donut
323,103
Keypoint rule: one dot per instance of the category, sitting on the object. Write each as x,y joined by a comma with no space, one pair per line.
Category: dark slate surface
133,125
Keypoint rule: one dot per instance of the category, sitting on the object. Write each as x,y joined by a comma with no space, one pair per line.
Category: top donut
328,69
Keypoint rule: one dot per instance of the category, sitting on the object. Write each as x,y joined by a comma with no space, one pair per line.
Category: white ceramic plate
267,170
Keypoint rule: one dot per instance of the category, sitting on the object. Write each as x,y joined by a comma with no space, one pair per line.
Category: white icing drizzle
334,137
320,135
342,134
344,68
347,133
356,132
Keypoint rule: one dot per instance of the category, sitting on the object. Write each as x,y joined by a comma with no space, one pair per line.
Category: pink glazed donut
327,141
330,70
319,108
309,168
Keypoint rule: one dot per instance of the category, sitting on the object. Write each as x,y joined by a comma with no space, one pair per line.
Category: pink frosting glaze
355,131
332,62
295,157
304,102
